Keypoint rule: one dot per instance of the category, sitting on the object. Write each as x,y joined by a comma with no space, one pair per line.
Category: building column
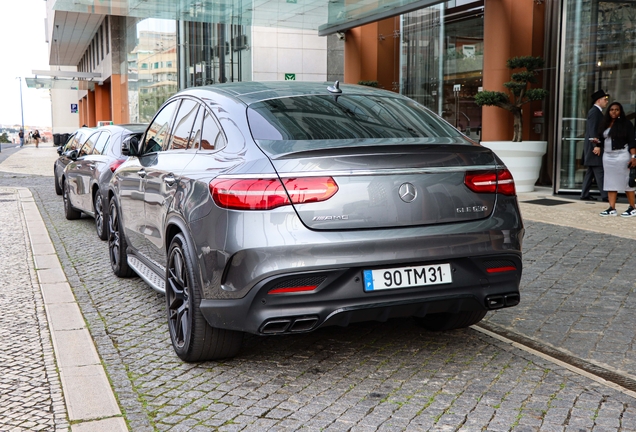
102,102
371,53
119,99
512,28
82,114
90,109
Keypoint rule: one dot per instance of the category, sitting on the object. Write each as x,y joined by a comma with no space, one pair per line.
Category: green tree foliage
520,94
4,138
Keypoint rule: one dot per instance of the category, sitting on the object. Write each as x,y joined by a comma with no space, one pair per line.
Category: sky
22,50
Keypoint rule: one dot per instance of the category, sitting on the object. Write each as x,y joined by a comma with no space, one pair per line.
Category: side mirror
59,150
130,146
72,154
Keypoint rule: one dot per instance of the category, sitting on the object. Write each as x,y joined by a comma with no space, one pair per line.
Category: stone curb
89,398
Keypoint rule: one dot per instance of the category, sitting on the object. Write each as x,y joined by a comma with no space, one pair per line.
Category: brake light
499,181
267,194
116,164
501,269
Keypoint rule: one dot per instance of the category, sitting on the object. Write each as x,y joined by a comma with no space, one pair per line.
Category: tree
4,138
518,89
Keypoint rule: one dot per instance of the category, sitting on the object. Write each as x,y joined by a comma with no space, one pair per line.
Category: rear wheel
101,218
450,321
192,337
117,244
69,211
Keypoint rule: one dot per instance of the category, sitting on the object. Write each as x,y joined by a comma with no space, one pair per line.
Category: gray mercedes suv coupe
278,208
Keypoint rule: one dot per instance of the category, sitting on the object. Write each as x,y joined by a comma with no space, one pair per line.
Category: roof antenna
335,88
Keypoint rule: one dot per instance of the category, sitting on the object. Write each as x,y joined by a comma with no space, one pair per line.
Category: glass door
598,52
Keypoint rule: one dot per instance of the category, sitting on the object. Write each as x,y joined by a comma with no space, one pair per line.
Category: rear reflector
267,194
501,269
292,289
499,181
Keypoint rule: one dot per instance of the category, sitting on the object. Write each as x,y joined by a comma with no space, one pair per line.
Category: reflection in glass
601,54
442,61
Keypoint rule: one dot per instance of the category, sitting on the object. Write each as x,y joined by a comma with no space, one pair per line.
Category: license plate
407,277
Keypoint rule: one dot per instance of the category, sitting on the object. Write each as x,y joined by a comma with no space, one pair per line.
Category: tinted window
75,141
87,148
195,138
102,143
211,136
183,125
347,117
159,130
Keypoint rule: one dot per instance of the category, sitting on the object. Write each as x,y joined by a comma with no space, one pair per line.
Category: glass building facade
441,61
600,37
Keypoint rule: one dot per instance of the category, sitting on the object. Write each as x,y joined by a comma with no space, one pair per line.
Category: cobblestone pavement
30,391
578,295
372,376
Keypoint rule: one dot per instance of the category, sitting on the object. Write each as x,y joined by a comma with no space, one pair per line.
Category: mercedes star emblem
407,192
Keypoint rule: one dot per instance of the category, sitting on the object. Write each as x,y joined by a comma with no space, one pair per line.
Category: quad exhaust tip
289,325
501,301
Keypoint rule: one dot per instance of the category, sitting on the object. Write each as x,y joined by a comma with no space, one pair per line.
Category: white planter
523,159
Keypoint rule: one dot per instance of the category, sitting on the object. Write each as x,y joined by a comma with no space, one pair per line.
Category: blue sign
73,108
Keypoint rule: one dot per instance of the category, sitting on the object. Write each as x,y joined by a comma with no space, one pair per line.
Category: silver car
88,172
278,208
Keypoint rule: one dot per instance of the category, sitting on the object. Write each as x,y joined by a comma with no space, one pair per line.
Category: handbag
632,177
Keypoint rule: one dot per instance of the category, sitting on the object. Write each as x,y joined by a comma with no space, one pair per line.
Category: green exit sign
292,1
290,77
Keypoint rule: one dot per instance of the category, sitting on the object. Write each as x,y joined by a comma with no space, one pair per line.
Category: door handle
169,179
91,166
141,173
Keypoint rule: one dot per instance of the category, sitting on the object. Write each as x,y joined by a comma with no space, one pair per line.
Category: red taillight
499,181
116,164
267,194
292,289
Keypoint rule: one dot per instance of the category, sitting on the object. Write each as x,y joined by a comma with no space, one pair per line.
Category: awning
326,16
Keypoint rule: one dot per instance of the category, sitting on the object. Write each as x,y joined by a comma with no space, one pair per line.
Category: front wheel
101,217
193,339
450,321
117,244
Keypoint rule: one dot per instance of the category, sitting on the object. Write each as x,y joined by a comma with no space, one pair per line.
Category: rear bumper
340,299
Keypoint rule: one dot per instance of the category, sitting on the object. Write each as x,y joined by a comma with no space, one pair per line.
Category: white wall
62,119
277,51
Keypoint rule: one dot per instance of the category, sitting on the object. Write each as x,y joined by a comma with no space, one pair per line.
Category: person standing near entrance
593,161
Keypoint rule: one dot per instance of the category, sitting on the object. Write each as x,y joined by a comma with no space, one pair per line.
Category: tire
193,339
450,321
58,189
101,216
69,211
117,244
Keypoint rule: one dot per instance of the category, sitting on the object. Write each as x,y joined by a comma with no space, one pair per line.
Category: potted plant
524,162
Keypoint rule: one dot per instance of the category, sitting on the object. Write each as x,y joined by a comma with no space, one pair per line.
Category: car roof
250,92
131,127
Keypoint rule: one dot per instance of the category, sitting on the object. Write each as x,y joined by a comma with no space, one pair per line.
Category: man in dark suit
593,162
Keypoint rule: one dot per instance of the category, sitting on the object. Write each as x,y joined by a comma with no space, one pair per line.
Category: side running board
155,281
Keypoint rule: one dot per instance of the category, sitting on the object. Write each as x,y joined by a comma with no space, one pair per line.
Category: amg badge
328,218
472,209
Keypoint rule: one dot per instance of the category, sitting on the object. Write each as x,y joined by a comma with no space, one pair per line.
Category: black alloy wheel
100,216
193,339
117,244
56,181
69,211
450,321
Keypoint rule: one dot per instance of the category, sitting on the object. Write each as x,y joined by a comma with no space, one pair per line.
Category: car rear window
344,117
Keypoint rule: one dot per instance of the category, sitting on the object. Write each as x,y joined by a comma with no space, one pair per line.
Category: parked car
278,208
74,142
85,178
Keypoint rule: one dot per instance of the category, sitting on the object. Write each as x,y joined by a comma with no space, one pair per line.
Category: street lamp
21,106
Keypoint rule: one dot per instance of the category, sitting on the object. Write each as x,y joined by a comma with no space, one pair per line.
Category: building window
106,35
